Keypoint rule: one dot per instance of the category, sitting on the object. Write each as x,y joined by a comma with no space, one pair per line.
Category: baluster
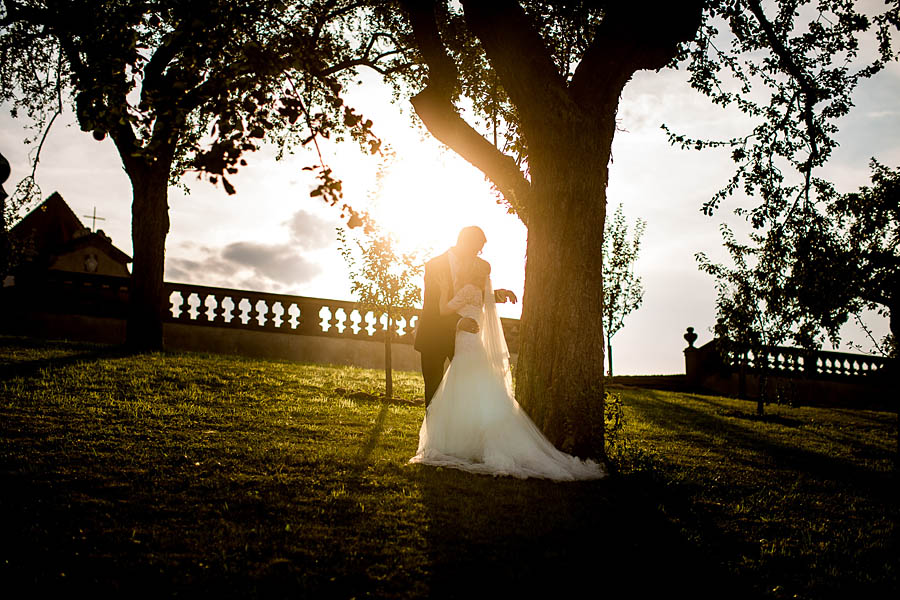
202,317
308,323
333,321
186,306
271,315
252,312
285,316
395,333
348,322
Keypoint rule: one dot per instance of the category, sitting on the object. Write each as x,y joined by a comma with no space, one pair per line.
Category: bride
473,422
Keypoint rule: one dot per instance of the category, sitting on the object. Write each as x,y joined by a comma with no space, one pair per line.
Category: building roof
52,229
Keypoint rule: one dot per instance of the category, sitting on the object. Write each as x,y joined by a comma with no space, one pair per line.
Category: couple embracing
472,420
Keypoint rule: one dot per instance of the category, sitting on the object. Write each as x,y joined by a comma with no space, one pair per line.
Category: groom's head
470,241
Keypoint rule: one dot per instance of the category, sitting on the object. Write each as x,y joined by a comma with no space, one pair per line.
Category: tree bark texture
147,299
559,374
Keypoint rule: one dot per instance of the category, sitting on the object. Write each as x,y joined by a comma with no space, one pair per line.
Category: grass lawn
197,475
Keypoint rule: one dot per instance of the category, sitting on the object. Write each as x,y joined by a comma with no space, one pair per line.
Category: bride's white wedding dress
474,422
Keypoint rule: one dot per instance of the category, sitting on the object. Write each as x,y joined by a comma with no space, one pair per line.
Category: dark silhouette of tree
812,267
809,278
542,81
748,320
182,86
865,230
622,289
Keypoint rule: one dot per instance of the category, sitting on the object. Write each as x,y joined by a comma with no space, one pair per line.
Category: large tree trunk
569,124
560,368
149,227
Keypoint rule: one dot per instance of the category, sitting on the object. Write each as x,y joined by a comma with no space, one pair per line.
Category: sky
272,236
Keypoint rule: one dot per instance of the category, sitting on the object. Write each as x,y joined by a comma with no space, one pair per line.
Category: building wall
75,261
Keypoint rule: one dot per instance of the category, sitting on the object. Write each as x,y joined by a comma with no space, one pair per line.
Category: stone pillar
691,359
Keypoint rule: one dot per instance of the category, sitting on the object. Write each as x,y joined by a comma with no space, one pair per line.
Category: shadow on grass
702,425
506,537
82,354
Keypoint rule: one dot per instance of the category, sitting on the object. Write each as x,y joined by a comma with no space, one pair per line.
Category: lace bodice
468,302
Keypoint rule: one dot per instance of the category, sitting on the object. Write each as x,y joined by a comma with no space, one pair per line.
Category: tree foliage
184,86
622,289
803,285
791,68
749,317
384,281
213,79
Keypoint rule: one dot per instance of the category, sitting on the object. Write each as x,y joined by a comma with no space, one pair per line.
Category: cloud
255,264
277,262
310,231
245,265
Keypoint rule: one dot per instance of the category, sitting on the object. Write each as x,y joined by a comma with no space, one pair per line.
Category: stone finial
690,337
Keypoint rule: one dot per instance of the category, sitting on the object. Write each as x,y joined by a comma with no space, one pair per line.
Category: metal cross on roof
94,218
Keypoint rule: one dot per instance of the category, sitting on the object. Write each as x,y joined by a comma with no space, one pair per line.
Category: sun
424,202
420,205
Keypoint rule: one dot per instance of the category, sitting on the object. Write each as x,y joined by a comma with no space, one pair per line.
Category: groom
436,334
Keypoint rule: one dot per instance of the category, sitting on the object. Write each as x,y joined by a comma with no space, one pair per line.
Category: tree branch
629,39
153,72
435,108
807,86
520,58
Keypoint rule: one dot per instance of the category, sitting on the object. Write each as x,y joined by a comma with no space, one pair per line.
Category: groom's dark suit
435,333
